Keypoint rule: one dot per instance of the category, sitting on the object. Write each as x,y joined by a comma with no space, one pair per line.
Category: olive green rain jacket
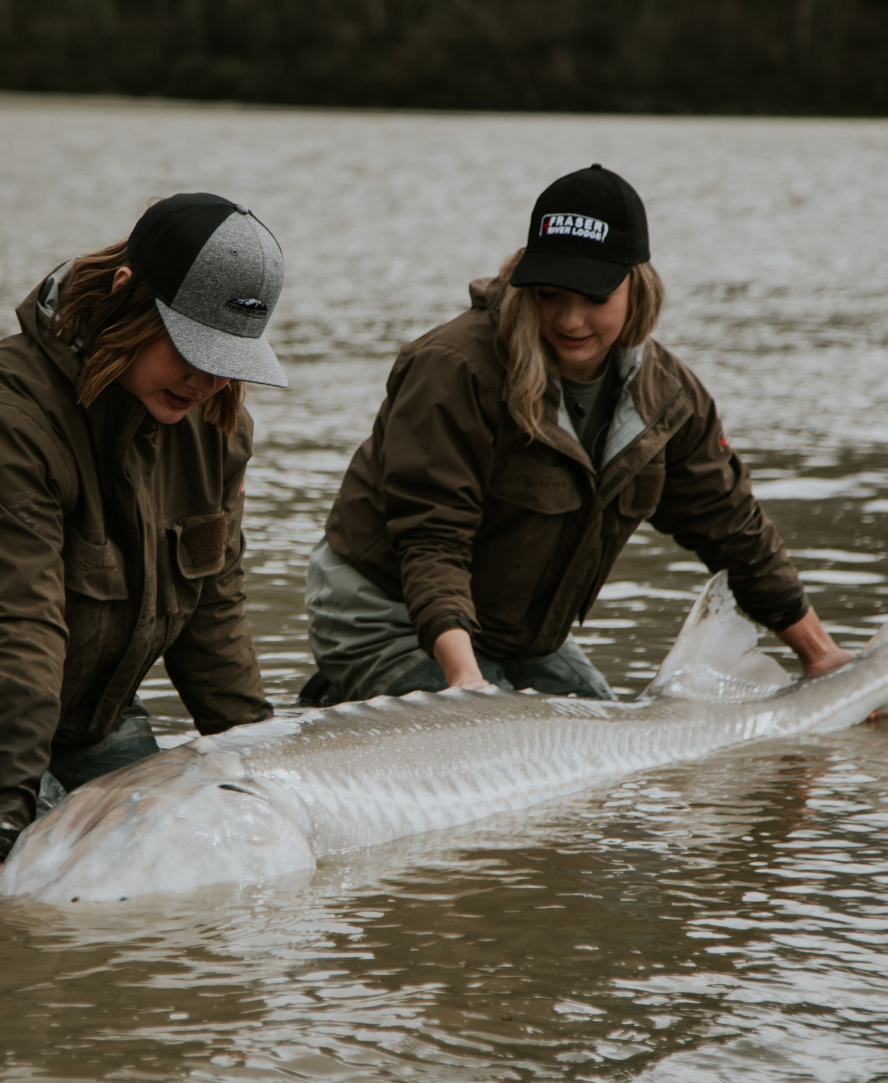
120,541
449,506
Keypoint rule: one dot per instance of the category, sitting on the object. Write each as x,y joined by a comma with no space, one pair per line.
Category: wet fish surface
269,799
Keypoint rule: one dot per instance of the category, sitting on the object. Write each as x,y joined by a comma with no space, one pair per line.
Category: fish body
268,799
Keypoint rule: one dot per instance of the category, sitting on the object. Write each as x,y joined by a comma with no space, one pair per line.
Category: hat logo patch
248,306
573,225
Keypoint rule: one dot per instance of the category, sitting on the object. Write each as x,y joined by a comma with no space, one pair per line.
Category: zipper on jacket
616,479
648,428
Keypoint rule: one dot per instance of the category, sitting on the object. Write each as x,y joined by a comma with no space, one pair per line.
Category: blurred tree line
700,56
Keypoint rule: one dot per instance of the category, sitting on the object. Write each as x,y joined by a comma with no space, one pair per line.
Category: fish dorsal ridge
715,656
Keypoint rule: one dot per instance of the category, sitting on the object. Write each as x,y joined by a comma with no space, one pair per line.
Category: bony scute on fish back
255,802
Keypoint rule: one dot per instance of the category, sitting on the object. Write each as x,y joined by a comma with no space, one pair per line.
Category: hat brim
220,353
565,271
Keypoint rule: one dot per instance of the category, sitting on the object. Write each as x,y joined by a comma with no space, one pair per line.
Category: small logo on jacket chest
96,566
546,483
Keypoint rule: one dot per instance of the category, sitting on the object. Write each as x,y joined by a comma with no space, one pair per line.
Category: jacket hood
479,291
38,315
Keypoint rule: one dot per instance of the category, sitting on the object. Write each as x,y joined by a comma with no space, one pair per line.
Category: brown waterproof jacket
120,541
450,507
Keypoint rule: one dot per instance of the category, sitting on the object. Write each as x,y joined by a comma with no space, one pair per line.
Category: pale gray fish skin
269,799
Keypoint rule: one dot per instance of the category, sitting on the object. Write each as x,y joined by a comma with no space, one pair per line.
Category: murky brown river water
725,920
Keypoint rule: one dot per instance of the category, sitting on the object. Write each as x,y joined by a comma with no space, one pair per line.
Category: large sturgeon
268,799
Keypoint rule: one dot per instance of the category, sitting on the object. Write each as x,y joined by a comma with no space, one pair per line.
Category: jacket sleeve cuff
780,612
790,616
441,625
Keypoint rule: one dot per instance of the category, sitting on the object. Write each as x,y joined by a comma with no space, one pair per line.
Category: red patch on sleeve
723,440
244,480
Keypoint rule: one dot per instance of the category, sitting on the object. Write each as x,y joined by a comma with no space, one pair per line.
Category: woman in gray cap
518,448
123,446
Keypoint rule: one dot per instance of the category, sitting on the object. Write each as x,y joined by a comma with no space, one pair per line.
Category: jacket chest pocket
640,498
548,488
94,570
200,544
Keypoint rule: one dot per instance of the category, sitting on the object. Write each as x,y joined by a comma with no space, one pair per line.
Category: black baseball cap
586,231
216,272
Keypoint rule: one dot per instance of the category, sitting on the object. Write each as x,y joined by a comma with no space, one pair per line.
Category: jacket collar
647,389
38,317
628,423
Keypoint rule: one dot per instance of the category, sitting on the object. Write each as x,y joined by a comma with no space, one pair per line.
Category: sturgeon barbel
269,799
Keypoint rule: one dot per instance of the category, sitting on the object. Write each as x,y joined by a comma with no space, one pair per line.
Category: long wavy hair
115,327
527,355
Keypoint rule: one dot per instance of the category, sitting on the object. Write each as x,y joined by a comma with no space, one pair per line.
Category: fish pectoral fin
715,655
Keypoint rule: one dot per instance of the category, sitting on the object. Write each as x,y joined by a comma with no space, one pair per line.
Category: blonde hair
527,356
116,327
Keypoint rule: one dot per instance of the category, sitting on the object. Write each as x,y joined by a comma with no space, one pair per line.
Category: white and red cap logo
573,225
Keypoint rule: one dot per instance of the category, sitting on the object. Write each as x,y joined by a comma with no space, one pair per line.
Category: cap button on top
596,166
241,209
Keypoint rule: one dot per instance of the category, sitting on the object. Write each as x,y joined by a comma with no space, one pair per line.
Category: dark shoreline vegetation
801,57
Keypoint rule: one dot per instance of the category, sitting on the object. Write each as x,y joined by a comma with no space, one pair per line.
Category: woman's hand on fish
454,654
817,650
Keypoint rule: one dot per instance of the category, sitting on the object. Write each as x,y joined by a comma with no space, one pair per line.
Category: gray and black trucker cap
586,231
217,273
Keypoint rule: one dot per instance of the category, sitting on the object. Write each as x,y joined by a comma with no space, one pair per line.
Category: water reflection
687,921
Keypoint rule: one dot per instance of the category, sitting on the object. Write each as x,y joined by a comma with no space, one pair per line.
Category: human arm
815,647
817,651
437,460
37,486
708,505
455,656
212,661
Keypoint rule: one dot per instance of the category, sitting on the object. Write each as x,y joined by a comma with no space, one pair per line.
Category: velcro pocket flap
540,487
94,570
201,541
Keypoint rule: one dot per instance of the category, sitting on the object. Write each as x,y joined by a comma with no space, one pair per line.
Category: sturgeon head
265,800
183,819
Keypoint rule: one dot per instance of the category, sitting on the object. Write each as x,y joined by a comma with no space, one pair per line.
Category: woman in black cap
123,447
518,448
